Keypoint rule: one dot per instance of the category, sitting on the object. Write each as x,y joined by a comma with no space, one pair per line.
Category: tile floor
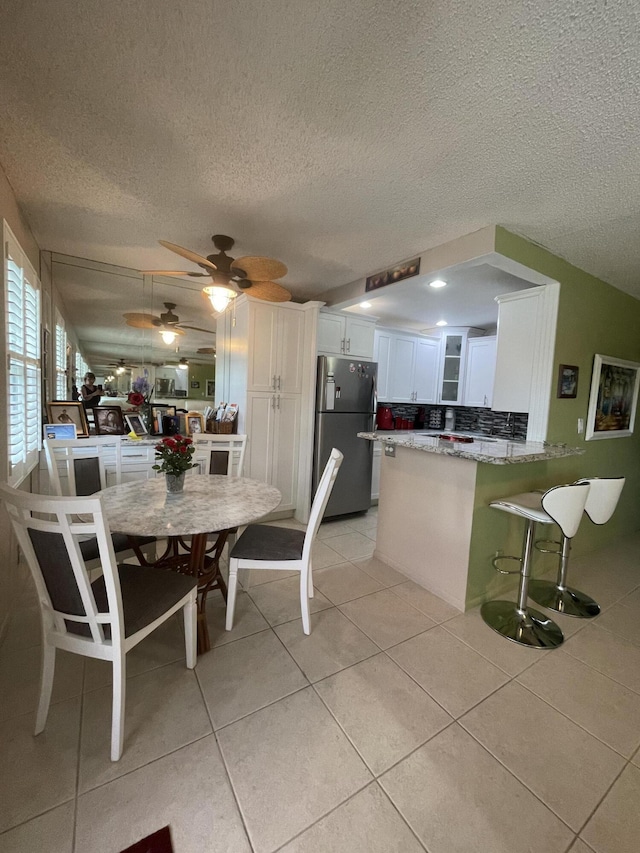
398,725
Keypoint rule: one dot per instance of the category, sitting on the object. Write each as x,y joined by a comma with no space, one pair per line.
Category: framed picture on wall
64,412
567,381
613,398
211,388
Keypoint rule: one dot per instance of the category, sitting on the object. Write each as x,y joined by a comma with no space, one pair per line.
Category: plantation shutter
61,359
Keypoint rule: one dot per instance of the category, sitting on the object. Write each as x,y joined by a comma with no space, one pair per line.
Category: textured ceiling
339,137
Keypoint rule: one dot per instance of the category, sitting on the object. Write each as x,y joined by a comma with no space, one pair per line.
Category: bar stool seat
601,504
561,505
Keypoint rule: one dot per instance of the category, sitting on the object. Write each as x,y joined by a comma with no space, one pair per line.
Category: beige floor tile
603,707
426,602
323,555
383,711
38,773
279,601
380,571
329,529
579,846
352,546
344,582
164,711
24,628
452,673
632,600
51,832
334,643
289,764
365,523
609,653
623,621
636,759
371,534
20,679
458,798
287,522
385,618
367,823
615,827
546,751
242,677
187,790
165,645
247,619
249,578
510,657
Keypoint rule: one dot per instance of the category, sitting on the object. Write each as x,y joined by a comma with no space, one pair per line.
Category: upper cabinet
480,370
277,335
339,334
407,367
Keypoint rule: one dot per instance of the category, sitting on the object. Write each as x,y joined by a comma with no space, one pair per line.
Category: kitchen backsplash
468,419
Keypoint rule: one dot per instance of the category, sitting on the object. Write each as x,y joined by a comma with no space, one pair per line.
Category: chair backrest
565,505
604,494
322,495
84,462
220,454
49,533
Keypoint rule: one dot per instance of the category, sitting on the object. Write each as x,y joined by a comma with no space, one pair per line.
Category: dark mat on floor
158,842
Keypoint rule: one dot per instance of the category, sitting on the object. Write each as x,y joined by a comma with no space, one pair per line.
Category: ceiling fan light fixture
167,336
183,364
220,297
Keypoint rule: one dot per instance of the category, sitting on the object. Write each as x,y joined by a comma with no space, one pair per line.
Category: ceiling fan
121,364
168,323
249,274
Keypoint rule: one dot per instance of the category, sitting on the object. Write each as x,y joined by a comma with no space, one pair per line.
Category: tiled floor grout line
234,793
77,786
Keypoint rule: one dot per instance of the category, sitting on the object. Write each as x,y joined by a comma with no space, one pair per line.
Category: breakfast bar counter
429,502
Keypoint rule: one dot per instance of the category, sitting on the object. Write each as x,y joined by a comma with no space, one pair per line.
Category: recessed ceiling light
365,305
438,283
441,323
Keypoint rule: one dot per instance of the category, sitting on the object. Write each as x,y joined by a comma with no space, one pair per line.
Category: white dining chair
263,546
102,619
84,463
220,454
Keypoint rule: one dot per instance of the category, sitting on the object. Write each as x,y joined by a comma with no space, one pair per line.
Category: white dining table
209,504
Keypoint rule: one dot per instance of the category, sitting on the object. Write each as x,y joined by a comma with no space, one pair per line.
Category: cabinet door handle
278,403
348,345
273,381
342,346
279,383
273,403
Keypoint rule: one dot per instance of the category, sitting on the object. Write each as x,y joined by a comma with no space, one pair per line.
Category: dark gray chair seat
121,542
262,542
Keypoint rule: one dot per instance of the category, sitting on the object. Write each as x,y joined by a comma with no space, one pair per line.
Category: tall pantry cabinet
266,362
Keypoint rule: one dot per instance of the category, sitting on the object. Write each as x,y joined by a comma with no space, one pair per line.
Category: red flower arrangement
135,398
175,453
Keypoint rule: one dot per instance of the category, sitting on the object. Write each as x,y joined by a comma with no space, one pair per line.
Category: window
81,368
61,359
22,327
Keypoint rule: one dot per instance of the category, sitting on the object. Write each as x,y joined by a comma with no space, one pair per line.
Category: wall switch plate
389,450
580,426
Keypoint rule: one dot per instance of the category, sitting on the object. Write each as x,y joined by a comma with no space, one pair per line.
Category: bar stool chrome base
569,601
528,628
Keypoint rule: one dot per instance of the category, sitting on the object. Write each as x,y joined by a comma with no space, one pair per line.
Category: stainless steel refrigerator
345,406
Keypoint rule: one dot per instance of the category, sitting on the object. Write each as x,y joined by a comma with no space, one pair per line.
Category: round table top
209,502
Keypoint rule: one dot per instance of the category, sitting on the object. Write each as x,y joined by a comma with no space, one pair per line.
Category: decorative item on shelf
224,420
140,397
175,456
390,276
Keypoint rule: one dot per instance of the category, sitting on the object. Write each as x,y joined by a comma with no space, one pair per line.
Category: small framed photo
109,420
613,398
63,412
136,424
567,381
194,384
211,388
195,423
59,430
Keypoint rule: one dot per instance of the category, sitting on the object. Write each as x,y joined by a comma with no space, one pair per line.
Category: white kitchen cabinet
407,367
339,334
479,372
453,360
273,427
274,362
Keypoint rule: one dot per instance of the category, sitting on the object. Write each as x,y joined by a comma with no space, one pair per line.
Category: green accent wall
200,373
593,317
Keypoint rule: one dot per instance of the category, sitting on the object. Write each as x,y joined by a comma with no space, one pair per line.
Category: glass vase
175,483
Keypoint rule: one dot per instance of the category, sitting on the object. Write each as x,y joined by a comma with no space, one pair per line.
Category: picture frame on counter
157,412
613,398
65,412
108,420
136,425
567,381
195,423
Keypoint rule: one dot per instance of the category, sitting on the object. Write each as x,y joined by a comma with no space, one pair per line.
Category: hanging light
220,297
168,337
183,364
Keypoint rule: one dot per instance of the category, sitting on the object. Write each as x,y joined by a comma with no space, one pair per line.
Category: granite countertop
494,451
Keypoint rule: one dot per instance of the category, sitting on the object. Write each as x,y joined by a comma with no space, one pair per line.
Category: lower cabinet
273,427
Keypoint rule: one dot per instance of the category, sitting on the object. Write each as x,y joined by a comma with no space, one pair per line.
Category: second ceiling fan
249,274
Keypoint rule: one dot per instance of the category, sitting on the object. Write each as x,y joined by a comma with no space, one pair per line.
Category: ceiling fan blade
269,291
167,327
197,329
140,321
175,273
188,254
206,350
258,268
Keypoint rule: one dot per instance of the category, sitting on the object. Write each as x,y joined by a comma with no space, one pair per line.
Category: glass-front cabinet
451,388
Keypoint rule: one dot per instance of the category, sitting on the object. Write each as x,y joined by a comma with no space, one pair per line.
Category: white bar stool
602,501
561,505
